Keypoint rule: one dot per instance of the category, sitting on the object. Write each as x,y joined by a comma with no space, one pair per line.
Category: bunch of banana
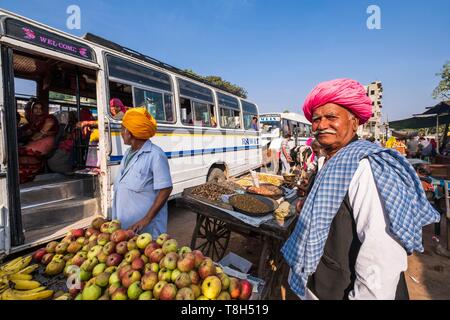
282,211
18,272
14,266
38,293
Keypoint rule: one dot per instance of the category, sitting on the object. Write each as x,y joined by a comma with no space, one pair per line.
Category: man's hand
139,226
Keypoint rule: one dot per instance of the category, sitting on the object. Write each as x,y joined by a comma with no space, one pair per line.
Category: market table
212,234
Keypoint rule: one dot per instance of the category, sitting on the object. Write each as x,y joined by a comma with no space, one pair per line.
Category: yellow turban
140,123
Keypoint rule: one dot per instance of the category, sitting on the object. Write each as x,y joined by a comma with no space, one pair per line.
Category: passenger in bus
117,108
255,123
41,130
143,184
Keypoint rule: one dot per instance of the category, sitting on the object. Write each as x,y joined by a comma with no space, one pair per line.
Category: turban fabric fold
347,93
140,123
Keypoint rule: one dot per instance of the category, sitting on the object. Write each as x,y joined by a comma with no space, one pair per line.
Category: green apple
143,240
114,278
98,269
175,274
146,295
92,292
157,289
211,287
134,290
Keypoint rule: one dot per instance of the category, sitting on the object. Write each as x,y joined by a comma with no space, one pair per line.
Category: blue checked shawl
401,194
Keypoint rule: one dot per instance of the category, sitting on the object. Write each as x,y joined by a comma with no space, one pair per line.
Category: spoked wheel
211,236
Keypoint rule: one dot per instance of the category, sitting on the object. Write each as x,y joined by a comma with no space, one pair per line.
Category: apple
123,270
131,255
143,240
114,278
196,289
121,248
76,233
134,290
92,239
74,247
156,256
98,269
164,274
202,297
198,258
158,288
109,248
67,239
61,248
103,238
94,251
119,236
170,245
225,280
55,267
92,292
47,258
184,250
235,288
175,274
146,295
111,269
89,264
224,295
81,240
246,290
144,258
149,280
97,223
211,287
85,275
79,258
187,263
154,267
183,280
51,246
170,260
91,231
113,287
130,277
138,264
102,257
150,248
185,294
206,268
162,238
113,259
102,280
194,276
120,294
38,254
161,263
168,292
131,244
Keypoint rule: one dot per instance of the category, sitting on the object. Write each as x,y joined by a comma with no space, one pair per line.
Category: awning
426,119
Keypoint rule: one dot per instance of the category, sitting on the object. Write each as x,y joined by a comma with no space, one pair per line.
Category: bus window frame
221,106
251,114
163,93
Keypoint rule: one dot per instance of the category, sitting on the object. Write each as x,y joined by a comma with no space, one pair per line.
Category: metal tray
273,205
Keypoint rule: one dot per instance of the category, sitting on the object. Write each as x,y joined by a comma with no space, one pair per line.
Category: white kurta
381,257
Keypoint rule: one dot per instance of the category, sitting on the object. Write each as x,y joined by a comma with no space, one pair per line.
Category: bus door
11,233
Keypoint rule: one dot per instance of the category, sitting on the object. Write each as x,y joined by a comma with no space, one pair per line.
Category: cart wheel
211,236
270,266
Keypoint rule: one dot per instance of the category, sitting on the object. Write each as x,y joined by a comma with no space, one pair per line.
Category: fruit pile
116,264
16,281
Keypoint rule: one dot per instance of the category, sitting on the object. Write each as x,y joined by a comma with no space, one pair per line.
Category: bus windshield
270,126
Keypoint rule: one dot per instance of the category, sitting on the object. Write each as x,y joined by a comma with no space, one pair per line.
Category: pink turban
347,93
116,102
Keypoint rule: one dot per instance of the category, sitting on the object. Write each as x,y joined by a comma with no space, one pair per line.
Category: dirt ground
428,274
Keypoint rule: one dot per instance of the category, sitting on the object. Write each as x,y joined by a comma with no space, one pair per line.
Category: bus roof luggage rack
135,54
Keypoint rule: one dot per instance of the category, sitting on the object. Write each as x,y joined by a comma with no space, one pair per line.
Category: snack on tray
249,203
211,191
244,183
263,178
266,190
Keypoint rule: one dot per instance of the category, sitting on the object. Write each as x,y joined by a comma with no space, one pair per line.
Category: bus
273,128
205,131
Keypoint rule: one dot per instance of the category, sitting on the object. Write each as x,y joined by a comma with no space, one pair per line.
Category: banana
26,284
10,263
22,263
27,292
29,269
12,295
20,276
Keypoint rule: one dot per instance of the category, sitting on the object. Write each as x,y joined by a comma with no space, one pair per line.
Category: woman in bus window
117,108
41,129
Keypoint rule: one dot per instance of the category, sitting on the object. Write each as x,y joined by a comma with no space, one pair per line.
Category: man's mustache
330,131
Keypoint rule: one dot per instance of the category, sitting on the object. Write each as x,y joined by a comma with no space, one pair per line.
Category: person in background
117,108
285,155
143,184
41,131
255,123
413,147
364,213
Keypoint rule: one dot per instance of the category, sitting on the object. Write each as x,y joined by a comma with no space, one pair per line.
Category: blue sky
277,50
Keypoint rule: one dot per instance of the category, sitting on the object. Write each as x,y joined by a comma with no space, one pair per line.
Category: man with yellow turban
143,185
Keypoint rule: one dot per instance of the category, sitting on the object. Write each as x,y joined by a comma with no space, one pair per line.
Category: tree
442,91
218,81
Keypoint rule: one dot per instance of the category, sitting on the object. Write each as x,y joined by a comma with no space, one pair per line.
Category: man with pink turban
364,212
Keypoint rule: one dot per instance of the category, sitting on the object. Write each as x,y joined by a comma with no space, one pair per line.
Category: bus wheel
216,175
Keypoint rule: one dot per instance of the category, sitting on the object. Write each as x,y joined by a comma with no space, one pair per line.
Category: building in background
374,127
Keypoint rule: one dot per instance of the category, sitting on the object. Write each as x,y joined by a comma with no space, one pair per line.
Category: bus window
186,112
250,112
203,116
122,92
158,105
230,112
197,105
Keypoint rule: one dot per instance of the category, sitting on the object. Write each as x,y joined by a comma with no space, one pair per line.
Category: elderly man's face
334,126
126,135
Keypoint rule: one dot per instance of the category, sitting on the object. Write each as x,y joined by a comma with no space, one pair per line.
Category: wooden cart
212,234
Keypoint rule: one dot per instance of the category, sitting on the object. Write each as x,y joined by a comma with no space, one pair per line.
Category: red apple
130,277
150,248
198,258
235,288
195,277
77,233
109,248
113,259
206,268
121,247
156,255
91,232
149,280
187,263
138,264
168,292
119,236
38,254
246,290
123,270
47,258
97,223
